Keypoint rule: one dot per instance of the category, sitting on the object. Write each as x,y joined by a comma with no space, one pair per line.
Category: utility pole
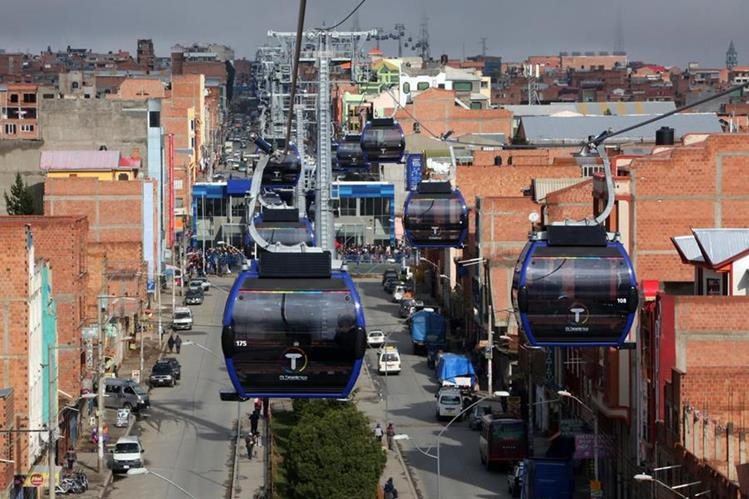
100,389
490,329
52,407
142,333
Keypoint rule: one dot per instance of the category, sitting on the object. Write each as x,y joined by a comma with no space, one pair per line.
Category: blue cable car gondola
574,286
382,141
283,171
350,155
283,226
435,216
292,327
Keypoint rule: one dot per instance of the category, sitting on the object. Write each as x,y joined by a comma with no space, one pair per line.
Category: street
411,406
188,431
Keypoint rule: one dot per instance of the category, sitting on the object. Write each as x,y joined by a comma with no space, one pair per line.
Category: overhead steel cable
295,69
345,18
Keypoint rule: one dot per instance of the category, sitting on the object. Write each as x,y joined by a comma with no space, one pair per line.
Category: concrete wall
20,156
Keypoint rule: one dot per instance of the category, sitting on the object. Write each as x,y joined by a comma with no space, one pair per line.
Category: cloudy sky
669,32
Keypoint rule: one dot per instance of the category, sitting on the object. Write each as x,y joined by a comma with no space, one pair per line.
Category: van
122,393
127,454
182,318
449,402
389,361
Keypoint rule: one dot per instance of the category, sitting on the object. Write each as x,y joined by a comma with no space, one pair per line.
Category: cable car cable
295,68
344,19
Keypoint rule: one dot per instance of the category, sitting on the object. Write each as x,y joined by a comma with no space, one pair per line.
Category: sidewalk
86,450
368,400
250,479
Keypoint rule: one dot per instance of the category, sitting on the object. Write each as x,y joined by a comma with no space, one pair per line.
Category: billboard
414,164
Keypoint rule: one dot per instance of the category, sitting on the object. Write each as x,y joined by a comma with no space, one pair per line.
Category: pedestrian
70,458
258,405
253,421
390,491
170,342
378,433
178,343
390,432
249,441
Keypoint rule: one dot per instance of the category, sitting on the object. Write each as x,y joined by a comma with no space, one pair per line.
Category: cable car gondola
283,171
350,155
574,285
292,327
382,141
283,226
435,216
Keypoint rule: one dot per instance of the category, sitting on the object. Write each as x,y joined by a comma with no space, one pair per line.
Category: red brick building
6,439
19,109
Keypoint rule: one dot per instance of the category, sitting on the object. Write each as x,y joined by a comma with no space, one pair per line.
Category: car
390,285
515,479
182,318
127,454
120,393
449,402
203,282
175,365
389,274
408,307
194,296
375,338
162,374
389,360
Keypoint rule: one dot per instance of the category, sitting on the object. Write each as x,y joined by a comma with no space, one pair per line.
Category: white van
182,318
449,402
127,454
389,361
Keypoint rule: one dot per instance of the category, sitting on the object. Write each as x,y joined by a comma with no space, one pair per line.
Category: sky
668,32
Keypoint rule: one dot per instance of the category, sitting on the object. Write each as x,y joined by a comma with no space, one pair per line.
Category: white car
182,318
375,338
449,402
389,361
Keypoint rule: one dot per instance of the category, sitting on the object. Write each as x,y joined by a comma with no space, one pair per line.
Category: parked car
482,409
195,284
389,360
182,318
389,274
408,307
162,374
390,284
449,402
194,296
375,338
175,365
122,393
127,454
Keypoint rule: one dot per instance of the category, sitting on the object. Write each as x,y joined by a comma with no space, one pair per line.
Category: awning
238,187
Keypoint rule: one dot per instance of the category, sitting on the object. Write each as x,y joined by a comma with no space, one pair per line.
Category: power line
345,18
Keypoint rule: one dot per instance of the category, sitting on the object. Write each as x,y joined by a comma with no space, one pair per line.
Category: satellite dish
533,217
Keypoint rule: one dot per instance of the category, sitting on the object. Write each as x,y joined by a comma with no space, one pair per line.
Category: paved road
411,406
188,432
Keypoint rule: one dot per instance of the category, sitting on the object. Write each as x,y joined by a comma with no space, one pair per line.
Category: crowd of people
376,253
218,260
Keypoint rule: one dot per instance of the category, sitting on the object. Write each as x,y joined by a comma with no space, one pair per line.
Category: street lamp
565,393
148,471
644,477
497,394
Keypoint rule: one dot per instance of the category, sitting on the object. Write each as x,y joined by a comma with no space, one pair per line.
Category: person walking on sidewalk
178,343
254,418
249,441
378,433
70,458
390,432
170,343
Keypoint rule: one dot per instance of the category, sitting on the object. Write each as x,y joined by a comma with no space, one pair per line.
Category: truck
456,370
427,328
546,478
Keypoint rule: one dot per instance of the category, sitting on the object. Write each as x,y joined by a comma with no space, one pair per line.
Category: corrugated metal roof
80,160
592,108
542,187
720,246
688,248
519,110
574,129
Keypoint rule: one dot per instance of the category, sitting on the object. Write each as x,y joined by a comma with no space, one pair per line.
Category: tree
21,199
331,453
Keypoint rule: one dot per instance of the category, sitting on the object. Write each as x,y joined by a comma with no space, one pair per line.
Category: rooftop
715,247
87,160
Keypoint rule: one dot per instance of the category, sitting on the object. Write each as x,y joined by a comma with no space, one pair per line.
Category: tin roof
542,187
716,247
86,160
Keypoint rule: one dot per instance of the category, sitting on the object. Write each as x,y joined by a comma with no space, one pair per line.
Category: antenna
619,30
483,46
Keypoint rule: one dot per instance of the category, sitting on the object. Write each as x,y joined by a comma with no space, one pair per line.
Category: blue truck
456,370
428,330
543,478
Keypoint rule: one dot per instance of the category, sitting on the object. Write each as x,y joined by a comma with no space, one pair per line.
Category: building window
179,203
475,105
14,98
29,98
406,88
154,119
192,125
422,85
462,86
347,207
48,96
123,176
10,129
74,85
27,128
192,142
